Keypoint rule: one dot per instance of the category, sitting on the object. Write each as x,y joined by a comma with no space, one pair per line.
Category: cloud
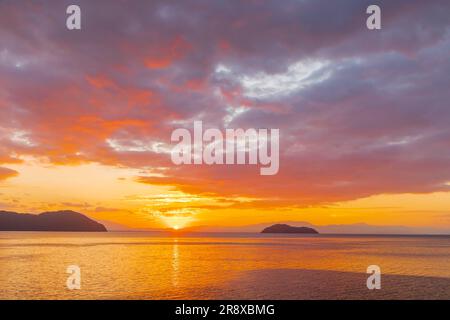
6,173
359,112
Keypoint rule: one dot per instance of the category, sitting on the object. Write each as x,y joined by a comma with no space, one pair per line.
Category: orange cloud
100,82
9,159
164,57
6,173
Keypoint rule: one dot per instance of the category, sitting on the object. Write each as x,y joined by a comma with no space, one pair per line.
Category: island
285,228
69,221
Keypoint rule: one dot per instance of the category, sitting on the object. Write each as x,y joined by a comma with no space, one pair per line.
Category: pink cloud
373,118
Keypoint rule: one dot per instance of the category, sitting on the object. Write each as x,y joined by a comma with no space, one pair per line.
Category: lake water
222,266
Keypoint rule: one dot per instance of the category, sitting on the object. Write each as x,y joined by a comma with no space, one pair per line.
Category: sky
86,115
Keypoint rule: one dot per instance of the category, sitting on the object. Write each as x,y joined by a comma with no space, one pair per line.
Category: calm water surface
222,266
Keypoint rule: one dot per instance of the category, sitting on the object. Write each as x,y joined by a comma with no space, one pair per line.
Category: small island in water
69,221
285,228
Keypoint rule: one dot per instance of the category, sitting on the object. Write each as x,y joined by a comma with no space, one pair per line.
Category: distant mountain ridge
70,221
356,228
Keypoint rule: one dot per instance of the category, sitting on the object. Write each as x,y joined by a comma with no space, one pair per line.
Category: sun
176,222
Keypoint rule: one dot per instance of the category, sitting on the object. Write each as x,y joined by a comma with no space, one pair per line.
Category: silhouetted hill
285,228
48,221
